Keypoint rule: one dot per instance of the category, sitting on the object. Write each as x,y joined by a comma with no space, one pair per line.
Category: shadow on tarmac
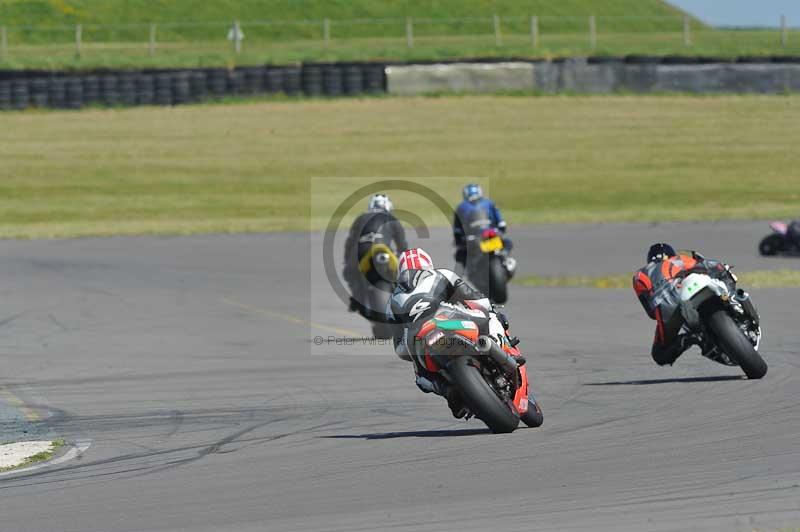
410,434
716,378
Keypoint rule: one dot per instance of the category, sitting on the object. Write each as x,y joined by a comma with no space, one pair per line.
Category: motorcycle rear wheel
736,345
481,398
498,281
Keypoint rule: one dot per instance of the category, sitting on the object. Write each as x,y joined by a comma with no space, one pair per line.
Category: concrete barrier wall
582,76
459,77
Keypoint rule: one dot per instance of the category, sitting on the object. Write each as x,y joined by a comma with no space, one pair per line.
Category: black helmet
660,251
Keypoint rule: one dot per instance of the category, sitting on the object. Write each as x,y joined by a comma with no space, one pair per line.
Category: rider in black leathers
376,226
794,233
420,291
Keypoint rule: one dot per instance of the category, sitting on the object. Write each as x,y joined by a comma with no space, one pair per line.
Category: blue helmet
472,192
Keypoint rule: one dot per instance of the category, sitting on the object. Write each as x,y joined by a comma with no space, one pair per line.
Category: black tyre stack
353,80
235,82
181,88
273,80
292,80
126,88
253,80
57,93
20,94
145,89
91,90
333,80
5,95
74,88
108,90
374,78
198,85
217,82
312,80
39,92
163,94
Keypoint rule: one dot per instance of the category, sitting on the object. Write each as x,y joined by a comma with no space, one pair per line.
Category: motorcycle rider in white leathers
421,289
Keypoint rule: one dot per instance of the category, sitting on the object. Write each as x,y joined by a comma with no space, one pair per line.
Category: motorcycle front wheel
481,398
771,245
736,345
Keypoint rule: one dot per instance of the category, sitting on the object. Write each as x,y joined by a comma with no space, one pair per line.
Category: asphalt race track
188,367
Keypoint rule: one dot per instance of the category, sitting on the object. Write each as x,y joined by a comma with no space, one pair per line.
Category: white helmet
414,259
380,202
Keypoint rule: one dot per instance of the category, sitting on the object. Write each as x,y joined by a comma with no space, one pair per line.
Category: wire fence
534,32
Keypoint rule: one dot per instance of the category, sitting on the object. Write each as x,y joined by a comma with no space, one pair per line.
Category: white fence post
326,32
592,32
535,31
78,39
498,37
687,31
784,32
409,32
151,45
3,43
237,37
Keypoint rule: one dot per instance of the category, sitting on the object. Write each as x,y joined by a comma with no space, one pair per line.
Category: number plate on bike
492,244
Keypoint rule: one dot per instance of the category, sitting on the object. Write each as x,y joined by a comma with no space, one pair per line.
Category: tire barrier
353,80
637,73
312,80
108,91
145,90
20,95
253,80
5,95
19,90
91,90
332,81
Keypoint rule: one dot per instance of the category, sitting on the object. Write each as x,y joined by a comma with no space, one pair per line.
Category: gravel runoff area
16,454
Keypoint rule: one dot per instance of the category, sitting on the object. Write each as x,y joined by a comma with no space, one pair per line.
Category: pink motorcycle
779,242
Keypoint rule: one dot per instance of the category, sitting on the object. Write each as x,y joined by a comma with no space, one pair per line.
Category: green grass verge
245,167
754,279
39,457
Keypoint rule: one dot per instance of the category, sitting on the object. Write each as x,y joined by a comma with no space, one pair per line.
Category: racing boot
671,353
433,383
456,403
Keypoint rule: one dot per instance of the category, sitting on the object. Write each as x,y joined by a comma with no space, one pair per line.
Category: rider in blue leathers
473,215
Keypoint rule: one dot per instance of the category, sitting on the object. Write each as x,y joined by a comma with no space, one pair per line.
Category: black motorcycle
489,266
779,242
379,268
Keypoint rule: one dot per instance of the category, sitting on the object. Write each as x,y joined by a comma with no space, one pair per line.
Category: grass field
115,33
104,12
205,53
244,167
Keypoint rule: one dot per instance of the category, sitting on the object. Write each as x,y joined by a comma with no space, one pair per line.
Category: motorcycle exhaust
489,347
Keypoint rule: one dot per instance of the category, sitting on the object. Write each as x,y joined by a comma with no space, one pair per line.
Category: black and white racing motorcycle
725,319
